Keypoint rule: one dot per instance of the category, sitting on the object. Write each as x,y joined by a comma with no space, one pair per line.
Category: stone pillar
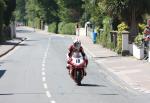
125,43
46,28
13,30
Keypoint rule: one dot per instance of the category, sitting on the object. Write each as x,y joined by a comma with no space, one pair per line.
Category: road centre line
53,101
43,65
45,85
43,73
43,79
48,94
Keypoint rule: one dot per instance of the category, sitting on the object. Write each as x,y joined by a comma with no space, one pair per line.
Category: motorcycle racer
76,47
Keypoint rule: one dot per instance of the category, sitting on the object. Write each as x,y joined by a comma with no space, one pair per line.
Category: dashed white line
53,101
48,94
43,69
43,65
43,73
43,79
45,85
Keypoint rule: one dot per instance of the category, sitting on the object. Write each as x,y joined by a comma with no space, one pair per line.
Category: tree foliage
69,10
6,13
130,11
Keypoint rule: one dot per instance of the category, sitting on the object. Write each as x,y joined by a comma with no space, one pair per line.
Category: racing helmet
77,44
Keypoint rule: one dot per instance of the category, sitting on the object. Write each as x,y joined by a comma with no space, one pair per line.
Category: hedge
52,27
66,28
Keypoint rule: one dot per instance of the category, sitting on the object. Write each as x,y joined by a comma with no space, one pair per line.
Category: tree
69,10
8,13
2,7
50,10
130,11
20,10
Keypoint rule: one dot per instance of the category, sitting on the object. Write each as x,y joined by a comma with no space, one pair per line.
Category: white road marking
53,101
43,69
43,73
43,65
48,94
43,79
45,85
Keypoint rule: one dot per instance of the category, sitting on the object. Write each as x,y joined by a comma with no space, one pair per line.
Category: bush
37,23
138,40
66,28
52,27
121,27
60,26
105,36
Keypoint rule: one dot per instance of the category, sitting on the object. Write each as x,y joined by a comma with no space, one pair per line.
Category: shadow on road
10,43
2,72
109,94
7,94
24,31
106,57
92,85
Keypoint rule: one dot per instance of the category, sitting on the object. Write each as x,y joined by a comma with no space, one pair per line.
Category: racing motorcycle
77,66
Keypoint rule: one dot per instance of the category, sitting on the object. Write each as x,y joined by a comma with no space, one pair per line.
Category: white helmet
77,44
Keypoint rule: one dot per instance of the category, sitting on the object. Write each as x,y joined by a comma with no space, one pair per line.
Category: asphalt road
35,73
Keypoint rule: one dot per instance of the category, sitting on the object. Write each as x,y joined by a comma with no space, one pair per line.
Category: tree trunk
133,25
1,24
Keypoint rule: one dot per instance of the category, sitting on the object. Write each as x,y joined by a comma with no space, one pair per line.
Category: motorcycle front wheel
78,77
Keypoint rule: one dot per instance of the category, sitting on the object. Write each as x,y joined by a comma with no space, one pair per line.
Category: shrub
66,28
138,40
121,27
36,23
60,26
105,36
52,27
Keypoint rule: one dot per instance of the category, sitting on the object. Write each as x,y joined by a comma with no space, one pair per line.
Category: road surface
35,72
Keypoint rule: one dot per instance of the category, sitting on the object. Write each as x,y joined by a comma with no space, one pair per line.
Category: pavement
133,72
7,46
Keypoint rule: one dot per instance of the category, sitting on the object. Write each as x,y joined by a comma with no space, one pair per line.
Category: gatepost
125,43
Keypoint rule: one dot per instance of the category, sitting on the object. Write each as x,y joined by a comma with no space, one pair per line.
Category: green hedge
52,27
66,28
60,27
37,23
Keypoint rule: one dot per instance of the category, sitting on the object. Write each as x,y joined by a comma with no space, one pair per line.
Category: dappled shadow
23,93
1,63
101,57
6,94
31,40
107,57
92,85
2,72
12,43
109,94
24,31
